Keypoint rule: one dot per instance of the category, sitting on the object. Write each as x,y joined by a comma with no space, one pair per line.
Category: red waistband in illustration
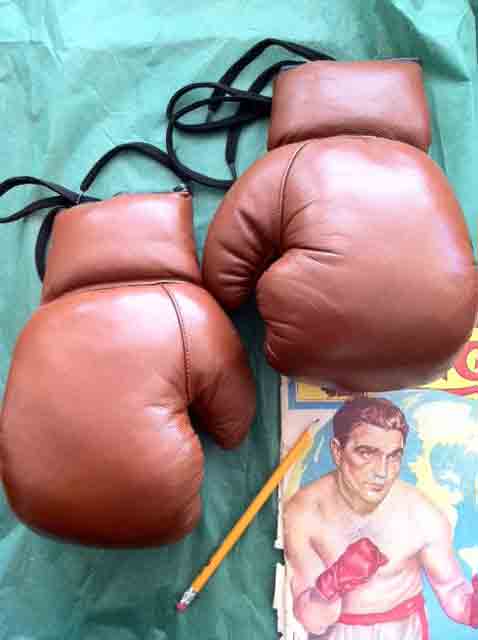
400,612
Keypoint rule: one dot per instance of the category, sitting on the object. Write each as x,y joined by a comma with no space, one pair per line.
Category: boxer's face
369,462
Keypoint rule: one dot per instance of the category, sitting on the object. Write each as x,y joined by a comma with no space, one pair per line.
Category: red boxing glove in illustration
358,563
474,603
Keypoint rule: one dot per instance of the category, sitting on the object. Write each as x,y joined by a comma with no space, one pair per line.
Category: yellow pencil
304,441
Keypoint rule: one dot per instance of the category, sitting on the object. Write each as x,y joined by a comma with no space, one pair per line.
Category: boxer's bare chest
389,527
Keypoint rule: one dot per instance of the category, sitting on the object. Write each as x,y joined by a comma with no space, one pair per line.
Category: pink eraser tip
181,606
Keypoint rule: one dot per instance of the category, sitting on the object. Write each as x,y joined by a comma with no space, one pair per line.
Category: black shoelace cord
66,198
256,50
262,107
251,106
144,148
234,132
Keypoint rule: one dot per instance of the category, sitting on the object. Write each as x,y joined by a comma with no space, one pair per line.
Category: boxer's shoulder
311,500
428,517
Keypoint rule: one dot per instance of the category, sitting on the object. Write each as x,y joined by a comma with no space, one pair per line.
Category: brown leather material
325,98
360,258
122,239
97,445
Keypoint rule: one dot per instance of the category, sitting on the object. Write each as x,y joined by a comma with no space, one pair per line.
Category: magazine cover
379,519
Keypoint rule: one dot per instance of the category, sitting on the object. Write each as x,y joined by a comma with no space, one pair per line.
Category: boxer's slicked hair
379,412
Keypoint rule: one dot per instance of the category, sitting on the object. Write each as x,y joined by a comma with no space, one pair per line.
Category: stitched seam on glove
184,337
118,285
282,191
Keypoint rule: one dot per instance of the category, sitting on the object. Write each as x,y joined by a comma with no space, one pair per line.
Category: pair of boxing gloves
359,256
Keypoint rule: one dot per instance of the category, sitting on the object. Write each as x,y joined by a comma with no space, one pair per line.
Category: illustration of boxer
359,537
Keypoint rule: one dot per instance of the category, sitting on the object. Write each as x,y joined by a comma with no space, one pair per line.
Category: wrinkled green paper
78,77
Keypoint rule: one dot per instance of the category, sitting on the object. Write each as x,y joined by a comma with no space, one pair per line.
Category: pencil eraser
181,606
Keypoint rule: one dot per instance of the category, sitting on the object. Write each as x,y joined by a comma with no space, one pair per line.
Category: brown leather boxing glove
97,442
349,234
358,563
